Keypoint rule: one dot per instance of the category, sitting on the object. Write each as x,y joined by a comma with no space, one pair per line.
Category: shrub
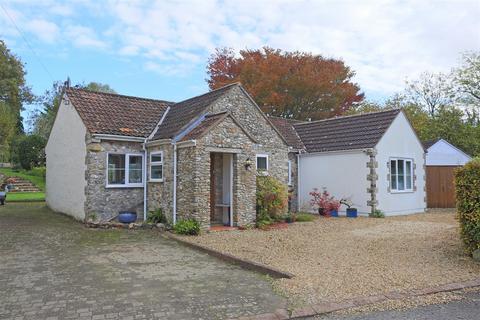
272,198
28,151
377,213
467,185
157,216
188,227
304,217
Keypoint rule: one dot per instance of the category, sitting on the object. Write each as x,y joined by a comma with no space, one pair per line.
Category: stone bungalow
199,158
194,159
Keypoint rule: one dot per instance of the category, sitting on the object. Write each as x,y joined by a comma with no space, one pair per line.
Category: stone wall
106,202
160,194
188,182
226,135
252,119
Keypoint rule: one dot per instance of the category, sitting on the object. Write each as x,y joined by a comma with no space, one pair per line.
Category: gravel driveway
52,267
339,258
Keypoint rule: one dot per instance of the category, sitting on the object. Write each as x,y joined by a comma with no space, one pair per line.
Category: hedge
467,185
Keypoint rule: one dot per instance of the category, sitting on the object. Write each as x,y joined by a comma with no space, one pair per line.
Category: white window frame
405,160
127,184
155,163
289,172
260,155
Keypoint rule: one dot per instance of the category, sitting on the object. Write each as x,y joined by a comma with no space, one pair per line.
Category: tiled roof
182,113
286,129
204,126
106,113
345,133
429,143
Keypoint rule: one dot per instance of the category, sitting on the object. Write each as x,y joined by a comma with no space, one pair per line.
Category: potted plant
321,201
351,212
334,205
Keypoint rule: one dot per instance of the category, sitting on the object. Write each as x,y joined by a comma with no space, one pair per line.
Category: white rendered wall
344,174
400,141
65,152
443,153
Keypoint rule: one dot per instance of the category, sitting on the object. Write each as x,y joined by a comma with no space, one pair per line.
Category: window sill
262,173
402,191
155,180
123,186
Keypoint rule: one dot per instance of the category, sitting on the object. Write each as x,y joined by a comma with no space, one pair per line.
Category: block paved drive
54,268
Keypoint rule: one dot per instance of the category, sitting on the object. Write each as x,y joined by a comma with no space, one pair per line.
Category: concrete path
467,308
54,268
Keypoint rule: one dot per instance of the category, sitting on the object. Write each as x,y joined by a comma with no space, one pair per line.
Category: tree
98,87
7,131
42,121
365,107
466,79
295,85
13,89
28,151
431,91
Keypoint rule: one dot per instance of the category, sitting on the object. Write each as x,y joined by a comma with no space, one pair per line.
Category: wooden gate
440,187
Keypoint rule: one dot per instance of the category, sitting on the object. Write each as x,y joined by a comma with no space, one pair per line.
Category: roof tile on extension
345,133
182,113
107,113
286,129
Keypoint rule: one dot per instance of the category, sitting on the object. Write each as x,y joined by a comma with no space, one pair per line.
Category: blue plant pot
351,213
334,213
127,216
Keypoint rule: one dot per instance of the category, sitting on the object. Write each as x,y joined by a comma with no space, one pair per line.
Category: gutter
118,137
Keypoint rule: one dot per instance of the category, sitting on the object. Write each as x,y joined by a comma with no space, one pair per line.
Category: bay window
156,166
401,174
124,170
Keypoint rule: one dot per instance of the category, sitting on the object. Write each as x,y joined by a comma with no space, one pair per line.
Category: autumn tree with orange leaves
294,85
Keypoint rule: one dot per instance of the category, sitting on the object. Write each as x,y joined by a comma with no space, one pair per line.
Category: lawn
36,176
25,196
341,258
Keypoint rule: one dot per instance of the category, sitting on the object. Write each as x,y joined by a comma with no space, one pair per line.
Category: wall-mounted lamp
248,164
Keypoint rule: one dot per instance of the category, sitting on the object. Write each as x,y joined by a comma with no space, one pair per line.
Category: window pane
393,166
393,181
401,174
116,169
135,169
408,174
393,174
156,157
157,172
400,167
261,163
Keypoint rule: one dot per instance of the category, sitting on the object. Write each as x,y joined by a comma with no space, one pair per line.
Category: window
289,172
124,170
401,175
262,162
156,166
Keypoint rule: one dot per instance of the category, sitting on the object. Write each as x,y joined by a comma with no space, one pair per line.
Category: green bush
189,227
28,151
272,198
377,213
157,216
467,185
304,217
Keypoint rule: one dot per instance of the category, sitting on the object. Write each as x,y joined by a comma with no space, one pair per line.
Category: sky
160,49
